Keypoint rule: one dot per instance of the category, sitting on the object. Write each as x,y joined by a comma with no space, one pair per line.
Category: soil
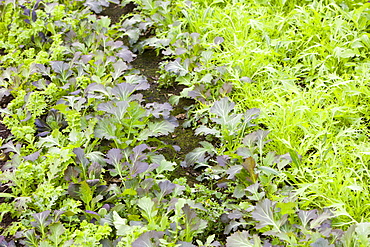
148,64
115,11
4,132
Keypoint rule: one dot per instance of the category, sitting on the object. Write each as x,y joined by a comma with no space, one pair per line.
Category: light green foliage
90,234
305,65
282,102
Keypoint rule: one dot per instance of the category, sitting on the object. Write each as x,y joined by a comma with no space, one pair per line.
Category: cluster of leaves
85,167
278,56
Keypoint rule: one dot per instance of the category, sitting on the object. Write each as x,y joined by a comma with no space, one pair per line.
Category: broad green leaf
119,69
129,191
222,109
264,214
256,195
41,220
165,166
242,239
56,231
176,68
120,224
197,155
287,207
85,193
157,128
239,191
268,170
96,5
363,232
105,129
147,205
59,66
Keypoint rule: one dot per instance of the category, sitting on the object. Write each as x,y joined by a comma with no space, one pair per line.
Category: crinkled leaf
321,242
307,216
95,156
157,128
235,214
140,81
244,152
261,135
207,131
56,231
114,44
233,170
264,214
126,55
136,159
119,69
95,169
176,68
222,108
120,224
242,239
41,219
161,128
197,155
147,205
59,66
123,90
157,109
287,207
239,191
32,157
133,34
114,156
320,219
363,230
119,109
80,157
96,5
94,87
138,167
180,50
166,187
146,239
4,93
186,244
165,166
9,147
192,221
251,114
253,189
105,129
